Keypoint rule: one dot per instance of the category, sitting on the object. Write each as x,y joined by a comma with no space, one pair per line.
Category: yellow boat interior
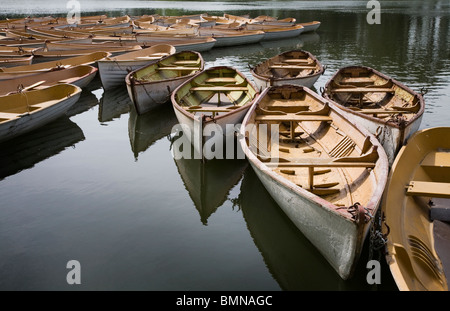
317,149
365,91
15,105
292,64
416,212
216,91
180,64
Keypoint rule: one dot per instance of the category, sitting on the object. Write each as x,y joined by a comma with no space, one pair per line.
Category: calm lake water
102,187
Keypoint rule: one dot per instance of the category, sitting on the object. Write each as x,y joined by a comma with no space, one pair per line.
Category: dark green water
102,187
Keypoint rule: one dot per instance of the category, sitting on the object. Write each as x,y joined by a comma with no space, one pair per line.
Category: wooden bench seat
178,68
220,88
437,159
363,90
321,162
186,62
381,111
428,189
292,67
221,80
296,61
212,109
293,118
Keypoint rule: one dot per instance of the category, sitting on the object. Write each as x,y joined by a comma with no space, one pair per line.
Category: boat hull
417,239
30,121
148,96
113,73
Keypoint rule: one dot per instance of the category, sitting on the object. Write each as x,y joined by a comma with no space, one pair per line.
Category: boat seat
292,67
212,109
220,88
437,159
380,111
429,189
177,68
296,61
293,118
186,62
358,90
321,162
221,80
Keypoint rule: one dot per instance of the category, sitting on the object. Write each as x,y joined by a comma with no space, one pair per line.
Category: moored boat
80,76
6,62
46,56
326,173
386,107
152,85
230,37
291,67
25,111
416,214
310,26
113,70
218,96
277,32
89,59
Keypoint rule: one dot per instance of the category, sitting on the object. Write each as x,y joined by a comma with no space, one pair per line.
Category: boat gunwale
191,116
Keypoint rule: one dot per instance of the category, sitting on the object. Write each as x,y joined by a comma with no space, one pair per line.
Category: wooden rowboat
7,62
181,43
113,70
152,85
326,173
46,56
219,97
416,212
230,37
277,32
291,67
310,26
26,111
383,105
89,59
80,76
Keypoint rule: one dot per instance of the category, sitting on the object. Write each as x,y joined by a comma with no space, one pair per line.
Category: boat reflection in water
87,101
113,104
146,129
29,149
208,182
291,259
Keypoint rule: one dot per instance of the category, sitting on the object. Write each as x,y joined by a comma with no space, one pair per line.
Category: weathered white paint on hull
238,40
278,35
113,73
30,121
335,236
231,119
147,96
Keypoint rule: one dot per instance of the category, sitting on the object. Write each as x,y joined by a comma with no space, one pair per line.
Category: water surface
101,186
